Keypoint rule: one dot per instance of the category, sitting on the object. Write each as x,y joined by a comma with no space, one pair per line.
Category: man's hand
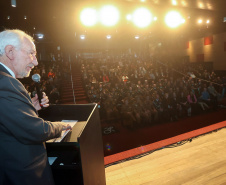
66,126
44,101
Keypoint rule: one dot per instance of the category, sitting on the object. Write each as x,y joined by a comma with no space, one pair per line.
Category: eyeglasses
30,53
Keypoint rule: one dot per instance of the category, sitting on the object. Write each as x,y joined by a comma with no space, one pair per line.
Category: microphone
36,78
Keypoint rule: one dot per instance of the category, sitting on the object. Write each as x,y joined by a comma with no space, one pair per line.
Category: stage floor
202,161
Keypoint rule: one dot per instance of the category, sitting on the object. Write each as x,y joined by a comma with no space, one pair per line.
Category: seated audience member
158,106
205,97
127,114
54,96
169,110
184,104
176,105
105,78
51,75
213,92
192,100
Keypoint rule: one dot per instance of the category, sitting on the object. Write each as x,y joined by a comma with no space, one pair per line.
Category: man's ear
10,51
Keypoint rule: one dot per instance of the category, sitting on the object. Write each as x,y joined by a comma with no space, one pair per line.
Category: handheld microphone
36,78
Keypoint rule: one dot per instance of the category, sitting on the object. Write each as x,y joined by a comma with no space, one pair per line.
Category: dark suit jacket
23,158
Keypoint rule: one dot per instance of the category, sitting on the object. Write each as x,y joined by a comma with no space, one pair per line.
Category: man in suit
23,157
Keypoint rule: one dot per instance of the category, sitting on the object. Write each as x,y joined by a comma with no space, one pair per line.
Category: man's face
25,59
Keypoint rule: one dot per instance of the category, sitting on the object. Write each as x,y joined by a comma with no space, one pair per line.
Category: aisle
74,91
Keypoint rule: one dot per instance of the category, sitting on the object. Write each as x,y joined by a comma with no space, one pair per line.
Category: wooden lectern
80,157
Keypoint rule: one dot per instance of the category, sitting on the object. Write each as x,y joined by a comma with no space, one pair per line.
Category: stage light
200,21
109,15
174,2
142,17
201,5
88,17
129,17
174,19
108,36
13,3
184,3
82,37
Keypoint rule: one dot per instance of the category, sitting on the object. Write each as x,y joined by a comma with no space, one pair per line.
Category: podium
80,156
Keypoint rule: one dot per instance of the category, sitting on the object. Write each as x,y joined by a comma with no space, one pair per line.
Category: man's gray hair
14,38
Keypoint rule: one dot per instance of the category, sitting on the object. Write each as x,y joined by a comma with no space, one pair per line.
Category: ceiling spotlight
200,21
184,3
137,37
174,19
142,17
40,36
89,17
82,37
129,17
8,17
224,20
108,36
174,2
13,3
109,15
155,18
25,17
208,21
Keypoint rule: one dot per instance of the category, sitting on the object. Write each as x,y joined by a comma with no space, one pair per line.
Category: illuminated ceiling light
142,0
108,36
129,17
82,37
88,17
208,21
142,17
155,18
40,35
224,19
174,2
34,28
183,3
137,37
25,17
200,21
8,17
174,19
201,5
109,15
13,3
209,6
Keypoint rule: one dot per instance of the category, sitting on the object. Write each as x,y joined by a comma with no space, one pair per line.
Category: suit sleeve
18,116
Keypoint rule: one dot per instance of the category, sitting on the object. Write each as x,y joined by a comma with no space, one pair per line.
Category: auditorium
143,82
